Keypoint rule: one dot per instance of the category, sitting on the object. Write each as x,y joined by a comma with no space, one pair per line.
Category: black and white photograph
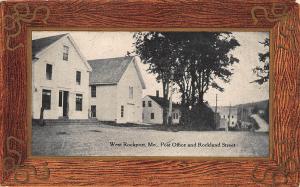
150,93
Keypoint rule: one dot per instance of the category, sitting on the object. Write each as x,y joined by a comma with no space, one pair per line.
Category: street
108,140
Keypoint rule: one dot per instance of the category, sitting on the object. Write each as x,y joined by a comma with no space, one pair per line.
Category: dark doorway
66,104
93,111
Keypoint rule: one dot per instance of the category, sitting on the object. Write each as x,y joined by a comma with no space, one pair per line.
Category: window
78,77
46,99
60,98
152,116
177,115
78,102
93,91
48,71
174,117
232,116
66,53
122,111
130,92
149,104
144,103
232,123
93,111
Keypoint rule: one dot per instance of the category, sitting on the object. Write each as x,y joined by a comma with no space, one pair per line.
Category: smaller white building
228,116
116,90
153,110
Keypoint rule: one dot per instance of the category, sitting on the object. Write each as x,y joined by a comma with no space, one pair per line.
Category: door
93,111
131,113
65,103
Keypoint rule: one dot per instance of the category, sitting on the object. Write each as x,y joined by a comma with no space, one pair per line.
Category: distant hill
261,105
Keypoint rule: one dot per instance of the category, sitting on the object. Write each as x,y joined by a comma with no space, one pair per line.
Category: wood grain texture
157,14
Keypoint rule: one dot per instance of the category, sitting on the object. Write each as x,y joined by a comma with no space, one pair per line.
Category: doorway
93,111
65,104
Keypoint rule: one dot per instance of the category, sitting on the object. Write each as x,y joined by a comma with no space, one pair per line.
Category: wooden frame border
280,16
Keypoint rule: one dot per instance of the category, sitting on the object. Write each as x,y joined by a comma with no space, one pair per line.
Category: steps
68,121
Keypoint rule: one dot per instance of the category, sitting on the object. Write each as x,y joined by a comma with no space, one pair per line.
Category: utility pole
229,117
170,100
216,110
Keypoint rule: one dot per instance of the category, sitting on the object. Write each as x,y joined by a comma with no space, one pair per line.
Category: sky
99,45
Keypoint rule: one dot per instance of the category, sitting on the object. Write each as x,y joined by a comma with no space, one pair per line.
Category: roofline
108,58
74,45
158,103
139,72
105,84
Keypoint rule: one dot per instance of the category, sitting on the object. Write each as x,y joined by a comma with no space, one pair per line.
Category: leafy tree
263,70
203,58
197,58
156,50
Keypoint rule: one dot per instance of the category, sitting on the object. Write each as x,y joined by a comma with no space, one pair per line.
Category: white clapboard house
153,110
60,79
116,90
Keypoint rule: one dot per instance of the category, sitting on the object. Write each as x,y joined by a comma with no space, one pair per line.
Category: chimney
157,93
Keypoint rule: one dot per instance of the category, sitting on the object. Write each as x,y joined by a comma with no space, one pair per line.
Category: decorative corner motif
290,34
17,17
282,16
283,169
21,170
277,16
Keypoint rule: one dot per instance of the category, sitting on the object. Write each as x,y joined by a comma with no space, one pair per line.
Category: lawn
107,140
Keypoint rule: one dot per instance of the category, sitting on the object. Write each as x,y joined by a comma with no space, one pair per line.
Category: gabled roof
40,46
163,102
110,71
42,43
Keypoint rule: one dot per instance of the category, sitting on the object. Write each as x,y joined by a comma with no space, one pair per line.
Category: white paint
110,98
63,78
228,116
157,110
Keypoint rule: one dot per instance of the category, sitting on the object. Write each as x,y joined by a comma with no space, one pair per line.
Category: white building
228,116
116,90
60,79
153,110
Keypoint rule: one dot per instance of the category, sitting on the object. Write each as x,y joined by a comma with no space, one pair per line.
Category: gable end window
149,104
78,102
144,103
48,71
78,77
46,99
66,53
130,92
93,91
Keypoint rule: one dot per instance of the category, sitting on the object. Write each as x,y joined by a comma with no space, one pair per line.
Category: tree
197,58
263,70
203,58
156,50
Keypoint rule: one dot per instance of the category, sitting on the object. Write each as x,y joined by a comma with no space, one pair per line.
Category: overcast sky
98,45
